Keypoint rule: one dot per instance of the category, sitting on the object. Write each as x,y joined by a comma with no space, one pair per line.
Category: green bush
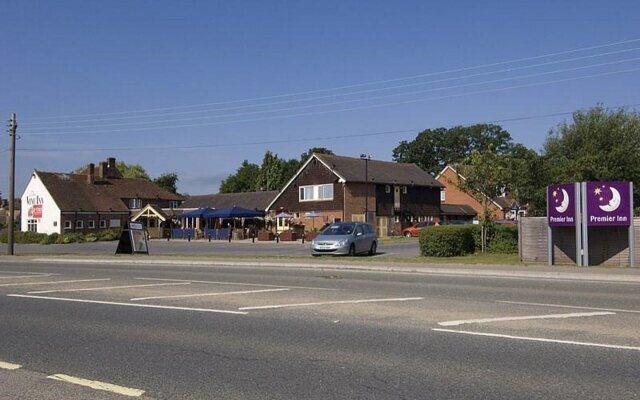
72,238
503,239
109,234
24,237
447,241
50,239
90,237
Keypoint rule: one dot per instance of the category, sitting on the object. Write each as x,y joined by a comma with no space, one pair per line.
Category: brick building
96,198
330,188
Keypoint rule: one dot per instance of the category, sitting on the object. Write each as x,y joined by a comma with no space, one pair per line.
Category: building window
91,224
55,223
387,188
316,192
404,190
442,195
103,224
114,223
79,224
32,225
67,224
135,204
173,204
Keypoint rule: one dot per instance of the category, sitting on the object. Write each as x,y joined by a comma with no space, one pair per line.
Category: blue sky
80,75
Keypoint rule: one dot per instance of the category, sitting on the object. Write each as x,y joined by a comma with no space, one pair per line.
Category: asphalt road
402,247
276,333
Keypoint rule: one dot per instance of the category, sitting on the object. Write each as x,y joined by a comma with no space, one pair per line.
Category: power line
129,130
334,95
346,86
320,138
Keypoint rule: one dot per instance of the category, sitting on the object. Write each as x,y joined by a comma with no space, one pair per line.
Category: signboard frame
133,239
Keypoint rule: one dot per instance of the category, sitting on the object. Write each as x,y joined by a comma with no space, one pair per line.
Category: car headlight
313,242
342,242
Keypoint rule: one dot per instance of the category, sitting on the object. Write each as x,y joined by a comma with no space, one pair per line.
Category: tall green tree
168,181
433,149
318,150
132,170
244,180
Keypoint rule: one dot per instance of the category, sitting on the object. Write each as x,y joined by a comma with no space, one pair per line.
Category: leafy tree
318,150
433,149
526,177
132,170
243,180
168,181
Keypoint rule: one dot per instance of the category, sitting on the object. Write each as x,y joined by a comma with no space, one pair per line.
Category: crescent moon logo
565,202
614,203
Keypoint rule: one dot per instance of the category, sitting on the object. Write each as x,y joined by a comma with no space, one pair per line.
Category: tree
168,181
132,170
242,181
433,149
318,150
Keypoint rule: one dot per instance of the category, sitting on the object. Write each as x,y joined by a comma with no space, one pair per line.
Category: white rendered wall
36,194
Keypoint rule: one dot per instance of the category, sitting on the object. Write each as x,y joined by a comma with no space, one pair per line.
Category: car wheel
407,234
352,250
374,247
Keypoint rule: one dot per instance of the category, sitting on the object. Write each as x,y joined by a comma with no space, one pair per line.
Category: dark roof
503,202
457,209
249,200
72,192
386,172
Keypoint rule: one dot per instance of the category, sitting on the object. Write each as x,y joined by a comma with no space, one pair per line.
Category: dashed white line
535,339
568,306
25,276
180,296
109,288
9,366
330,302
236,283
108,387
548,316
113,303
25,272
53,282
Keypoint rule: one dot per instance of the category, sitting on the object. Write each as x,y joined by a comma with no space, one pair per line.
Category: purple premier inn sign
561,206
608,203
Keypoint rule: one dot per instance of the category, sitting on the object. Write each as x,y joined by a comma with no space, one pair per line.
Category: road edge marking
523,318
535,339
52,282
329,303
9,366
236,283
113,303
180,296
524,303
107,288
107,387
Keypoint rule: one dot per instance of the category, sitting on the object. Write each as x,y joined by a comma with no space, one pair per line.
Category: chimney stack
102,170
91,175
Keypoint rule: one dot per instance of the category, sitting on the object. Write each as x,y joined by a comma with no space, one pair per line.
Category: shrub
447,241
503,239
109,234
50,239
72,238
24,237
91,237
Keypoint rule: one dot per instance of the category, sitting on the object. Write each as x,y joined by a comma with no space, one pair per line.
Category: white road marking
109,288
25,272
179,296
236,283
25,276
330,302
54,282
127,304
548,316
568,306
534,339
10,366
108,387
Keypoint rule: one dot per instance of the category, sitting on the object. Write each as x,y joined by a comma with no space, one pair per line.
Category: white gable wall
38,204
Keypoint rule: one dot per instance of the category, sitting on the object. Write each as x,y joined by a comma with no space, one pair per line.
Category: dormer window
135,204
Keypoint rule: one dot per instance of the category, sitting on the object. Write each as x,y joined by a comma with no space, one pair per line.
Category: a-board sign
609,204
133,239
561,204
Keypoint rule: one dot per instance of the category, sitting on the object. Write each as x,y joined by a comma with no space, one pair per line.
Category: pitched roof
457,209
71,192
352,169
502,202
250,200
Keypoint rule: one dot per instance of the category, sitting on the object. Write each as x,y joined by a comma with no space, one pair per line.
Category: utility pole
366,158
13,125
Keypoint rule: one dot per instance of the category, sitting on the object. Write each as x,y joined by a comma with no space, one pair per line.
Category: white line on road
25,276
331,302
109,288
25,272
10,366
108,387
179,296
112,303
54,282
568,306
236,283
534,339
548,316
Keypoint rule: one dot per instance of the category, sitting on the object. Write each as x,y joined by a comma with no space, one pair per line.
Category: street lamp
366,158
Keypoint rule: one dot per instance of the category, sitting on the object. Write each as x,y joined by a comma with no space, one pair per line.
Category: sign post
133,239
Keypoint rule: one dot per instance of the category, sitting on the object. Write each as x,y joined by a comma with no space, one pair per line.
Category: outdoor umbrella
199,213
233,212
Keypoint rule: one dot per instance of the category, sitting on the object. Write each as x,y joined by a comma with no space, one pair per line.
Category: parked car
414,230
346,238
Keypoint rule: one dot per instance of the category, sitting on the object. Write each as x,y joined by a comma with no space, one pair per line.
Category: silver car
346,238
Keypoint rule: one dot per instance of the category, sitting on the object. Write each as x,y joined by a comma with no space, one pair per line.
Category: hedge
447,241
503,239
65,238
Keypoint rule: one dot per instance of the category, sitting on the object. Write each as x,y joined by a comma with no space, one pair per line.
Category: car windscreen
341,229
